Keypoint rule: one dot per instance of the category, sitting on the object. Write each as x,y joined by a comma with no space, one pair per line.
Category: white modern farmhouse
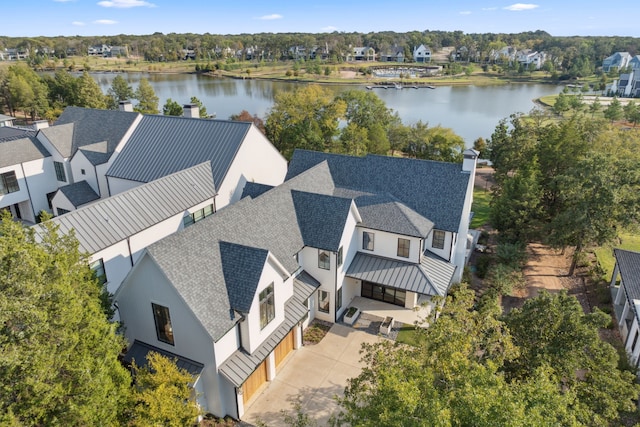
228,296
625,289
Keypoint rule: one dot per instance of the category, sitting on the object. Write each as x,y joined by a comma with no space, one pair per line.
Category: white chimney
470,157
191,110
125,106
40,124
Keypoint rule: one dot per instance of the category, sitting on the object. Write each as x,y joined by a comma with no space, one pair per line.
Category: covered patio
400,314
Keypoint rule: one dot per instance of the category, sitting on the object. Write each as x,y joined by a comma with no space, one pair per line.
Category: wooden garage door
284,348
253,383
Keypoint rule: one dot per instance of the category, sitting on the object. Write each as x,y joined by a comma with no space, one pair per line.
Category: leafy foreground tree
463,372
171,108
58,353
162,396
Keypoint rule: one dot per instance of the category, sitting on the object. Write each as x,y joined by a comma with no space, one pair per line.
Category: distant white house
530,58
617,61
625,288
422,53
229,296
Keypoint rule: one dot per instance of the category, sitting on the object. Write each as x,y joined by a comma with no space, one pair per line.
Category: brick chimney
125,106
191,110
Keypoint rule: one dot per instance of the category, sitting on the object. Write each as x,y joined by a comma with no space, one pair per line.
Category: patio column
620,296
615,275
297,337
631,336
271,366
240,401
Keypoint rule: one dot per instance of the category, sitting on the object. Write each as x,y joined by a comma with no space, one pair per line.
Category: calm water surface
471,111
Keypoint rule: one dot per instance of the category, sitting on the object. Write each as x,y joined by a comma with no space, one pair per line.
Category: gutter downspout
130,253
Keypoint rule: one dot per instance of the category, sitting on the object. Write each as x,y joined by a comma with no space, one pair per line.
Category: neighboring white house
628,85
626,301
231,294
530,58
422,53
616,61
362,53
6,120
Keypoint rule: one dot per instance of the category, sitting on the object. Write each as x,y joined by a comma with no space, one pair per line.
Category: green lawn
480,207
408,335
604,254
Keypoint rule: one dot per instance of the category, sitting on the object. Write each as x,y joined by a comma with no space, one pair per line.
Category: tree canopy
147,98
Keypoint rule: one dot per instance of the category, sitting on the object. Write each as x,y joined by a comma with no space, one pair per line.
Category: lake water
471,111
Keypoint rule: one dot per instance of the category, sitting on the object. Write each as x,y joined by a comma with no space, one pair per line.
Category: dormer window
438,239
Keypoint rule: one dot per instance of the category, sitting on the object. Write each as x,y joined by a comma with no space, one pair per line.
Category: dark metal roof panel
629,265
139,350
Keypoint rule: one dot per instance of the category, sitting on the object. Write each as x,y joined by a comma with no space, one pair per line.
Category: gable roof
162,145
629,265
321,219
80,127
111,220
79,193
16,151
7,133
241,267
254,189
435,190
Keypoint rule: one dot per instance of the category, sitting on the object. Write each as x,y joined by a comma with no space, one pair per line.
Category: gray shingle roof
79,193
254,189
139,351
240,365
16,151
402,275
4,118
7,133
108,221
242,267
386,213
629,264
86,126
321,219
435,190
191,258
161,145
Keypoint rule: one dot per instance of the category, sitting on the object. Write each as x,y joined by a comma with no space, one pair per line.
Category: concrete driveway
313,374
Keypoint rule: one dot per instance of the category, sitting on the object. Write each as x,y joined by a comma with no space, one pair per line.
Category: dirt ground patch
348,74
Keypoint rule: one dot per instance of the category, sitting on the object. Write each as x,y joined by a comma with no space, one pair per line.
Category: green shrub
511,254
483,262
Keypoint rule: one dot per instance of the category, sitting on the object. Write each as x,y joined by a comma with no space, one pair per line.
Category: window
82,171
338,300
367,240
192,218
8,183
438,239
50,199
339,257
323,301
61,211
98,269
267,306
403,247
164,330
60,174
324,260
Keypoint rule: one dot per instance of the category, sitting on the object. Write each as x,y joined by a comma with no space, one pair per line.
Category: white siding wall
78,163
117,263
349,243
308,259
41,178
147,285
223,348
258,161
386,245
445,252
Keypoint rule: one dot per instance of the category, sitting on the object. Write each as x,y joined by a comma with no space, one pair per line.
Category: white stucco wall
258,161
41,178
117,263
145,285
460,242
79,163
118,185
61,201
447,251
349,244
26,176
308,259
386,244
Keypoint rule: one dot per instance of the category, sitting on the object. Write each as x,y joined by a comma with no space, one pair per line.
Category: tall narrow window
403,247
324,260
339,257
98,269
164,330
267,306
438,239
323,301
367,240
8,183
60,174
339,299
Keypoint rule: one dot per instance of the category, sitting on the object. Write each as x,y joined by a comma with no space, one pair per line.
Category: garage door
284,348
253,383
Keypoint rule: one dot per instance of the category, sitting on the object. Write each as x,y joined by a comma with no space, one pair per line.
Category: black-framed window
97,267
403,247
324,259
338,299
323,301
438,239
8,183
62,211
367,240
60,173
192,218
162,319
339,257
50,199
267,306
384,293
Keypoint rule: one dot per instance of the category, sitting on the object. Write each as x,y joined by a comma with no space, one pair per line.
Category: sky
110,17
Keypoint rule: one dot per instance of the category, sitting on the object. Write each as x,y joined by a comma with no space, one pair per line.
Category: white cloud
465,12
521,6
105,22
270,17
489,8
78,23
125,4
329,29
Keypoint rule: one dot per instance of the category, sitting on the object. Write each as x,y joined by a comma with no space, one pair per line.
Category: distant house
393,54
230,295
361,53
6,120
530,58
422,53
99,50
505,55
626,301
627,85
118,51
616,61
14,54
634,63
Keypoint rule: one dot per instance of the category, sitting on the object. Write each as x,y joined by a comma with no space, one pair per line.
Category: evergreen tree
147,99
202,109
171,108
88,93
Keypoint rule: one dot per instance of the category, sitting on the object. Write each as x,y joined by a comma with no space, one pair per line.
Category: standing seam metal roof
161,145
629,265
